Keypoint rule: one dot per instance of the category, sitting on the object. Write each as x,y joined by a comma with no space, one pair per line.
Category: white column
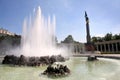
105,47
116,47
113,47
101,48
108,47
74,49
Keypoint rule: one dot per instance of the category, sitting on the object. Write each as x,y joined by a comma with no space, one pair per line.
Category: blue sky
104,16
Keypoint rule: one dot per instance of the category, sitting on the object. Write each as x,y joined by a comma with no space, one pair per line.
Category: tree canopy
107,37
68,39
8,40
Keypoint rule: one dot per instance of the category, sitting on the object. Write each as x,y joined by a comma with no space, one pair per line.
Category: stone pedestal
89,47
92,58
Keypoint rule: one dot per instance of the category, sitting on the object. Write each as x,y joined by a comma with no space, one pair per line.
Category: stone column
105,47
112,47
101,48
97,47
116,47
108,47
75,49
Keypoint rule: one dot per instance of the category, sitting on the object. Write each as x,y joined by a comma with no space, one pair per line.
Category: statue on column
89,46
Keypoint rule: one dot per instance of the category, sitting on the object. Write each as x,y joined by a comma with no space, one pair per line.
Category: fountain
38,37
38,46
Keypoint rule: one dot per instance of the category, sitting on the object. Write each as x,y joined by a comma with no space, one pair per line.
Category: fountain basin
81,69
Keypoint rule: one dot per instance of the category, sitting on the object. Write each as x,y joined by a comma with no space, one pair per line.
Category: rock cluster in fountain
59,70
32,61
92,58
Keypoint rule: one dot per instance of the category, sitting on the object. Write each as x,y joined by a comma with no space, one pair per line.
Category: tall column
108,47
105,47
87,28
112,47
119,46
116,47
75,49
101,48
97,47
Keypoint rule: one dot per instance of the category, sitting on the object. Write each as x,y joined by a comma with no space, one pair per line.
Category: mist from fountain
38,37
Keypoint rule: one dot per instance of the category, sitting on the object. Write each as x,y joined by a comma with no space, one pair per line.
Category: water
104,69
38,37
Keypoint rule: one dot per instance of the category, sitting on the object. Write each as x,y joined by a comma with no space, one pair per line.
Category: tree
108,37
7,42
68,39
100,39
97,39
94,39
116,37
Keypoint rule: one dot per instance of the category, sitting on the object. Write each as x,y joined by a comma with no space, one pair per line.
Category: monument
88,37
89,46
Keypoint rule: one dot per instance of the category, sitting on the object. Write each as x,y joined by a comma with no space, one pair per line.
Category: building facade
74,48
6,32
108,46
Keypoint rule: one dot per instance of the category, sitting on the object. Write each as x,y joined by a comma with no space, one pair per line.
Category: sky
104,16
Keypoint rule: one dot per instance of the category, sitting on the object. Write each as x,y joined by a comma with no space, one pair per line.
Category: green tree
68,39
116,36
108,37
97,39
94,39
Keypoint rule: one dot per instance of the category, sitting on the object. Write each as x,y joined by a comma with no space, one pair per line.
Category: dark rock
60,58
22,60
45,60
53,59
92,58
10,59
32,61
60,70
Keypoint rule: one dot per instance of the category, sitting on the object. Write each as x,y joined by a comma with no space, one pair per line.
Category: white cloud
99,35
